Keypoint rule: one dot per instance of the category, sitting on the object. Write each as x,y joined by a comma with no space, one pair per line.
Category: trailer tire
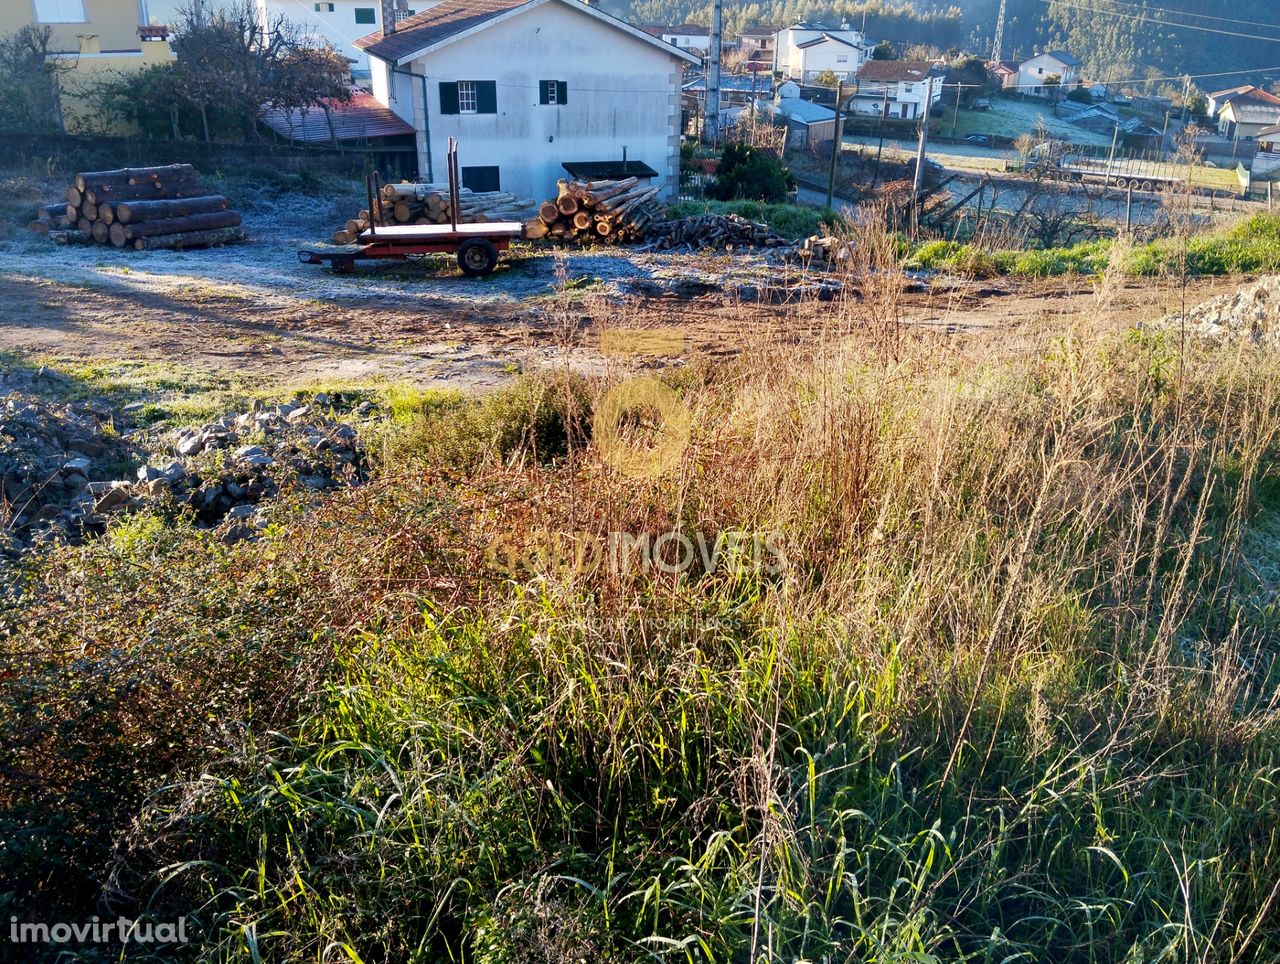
344,265
1148,186
477,257
1121,183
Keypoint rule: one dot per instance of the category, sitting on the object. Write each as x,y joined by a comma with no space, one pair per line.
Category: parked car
982,140
980,104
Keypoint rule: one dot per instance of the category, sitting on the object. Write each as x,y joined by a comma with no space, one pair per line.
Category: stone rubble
61,463
1252,312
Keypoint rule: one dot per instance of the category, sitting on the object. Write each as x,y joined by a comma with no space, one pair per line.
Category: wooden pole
837,133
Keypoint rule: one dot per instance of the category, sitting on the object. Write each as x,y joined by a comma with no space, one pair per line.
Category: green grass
1251,246
1009,117
1009,698
788,220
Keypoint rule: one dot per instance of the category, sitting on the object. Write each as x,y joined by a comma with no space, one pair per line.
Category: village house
340,22
93,39
807,124
757,43
1035,75
529,87
804,50
1266,163
1005,73
1244,112
903,85
686,36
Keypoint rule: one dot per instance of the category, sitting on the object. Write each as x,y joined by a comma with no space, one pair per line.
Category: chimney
388,17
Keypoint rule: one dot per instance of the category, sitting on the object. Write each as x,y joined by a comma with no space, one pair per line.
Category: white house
686,36
1034,72
904,85
805,50
1266,164
528,86
340,22
1243,112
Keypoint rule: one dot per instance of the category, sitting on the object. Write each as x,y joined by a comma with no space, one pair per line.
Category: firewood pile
823,253
146,208
727,232
418,203
588,212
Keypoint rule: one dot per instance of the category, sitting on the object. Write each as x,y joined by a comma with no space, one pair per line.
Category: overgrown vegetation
789,220
1251,246
1006,689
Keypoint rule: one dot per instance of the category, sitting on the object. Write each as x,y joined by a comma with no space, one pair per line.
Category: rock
113,496
153,488
297,415
258,461
317,482
249,451
174,471
149,473
133,408
76,466
191,445
241,512
321,398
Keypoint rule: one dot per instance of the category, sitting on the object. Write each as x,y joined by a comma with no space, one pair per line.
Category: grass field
1009,118
987,672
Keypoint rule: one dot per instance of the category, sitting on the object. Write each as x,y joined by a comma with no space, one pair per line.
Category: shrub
747,173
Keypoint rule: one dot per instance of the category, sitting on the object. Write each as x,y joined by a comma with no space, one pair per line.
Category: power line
1187,13
1165,23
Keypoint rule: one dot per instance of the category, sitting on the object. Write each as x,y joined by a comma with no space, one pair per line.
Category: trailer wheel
477,257
1121,183
1148,186
344,265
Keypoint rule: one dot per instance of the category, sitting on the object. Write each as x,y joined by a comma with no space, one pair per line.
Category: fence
57,153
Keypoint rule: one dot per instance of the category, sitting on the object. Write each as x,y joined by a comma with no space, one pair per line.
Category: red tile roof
360,118
433,25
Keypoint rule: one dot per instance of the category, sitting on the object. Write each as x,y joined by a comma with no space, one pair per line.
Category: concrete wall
620,91
113,22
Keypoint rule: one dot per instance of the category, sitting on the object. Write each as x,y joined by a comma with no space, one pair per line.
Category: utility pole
884,113
712,113
1111,157
924,140
999,44
835,145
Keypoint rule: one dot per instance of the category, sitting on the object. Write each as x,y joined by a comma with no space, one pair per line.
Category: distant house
1034,72
1243,112
526,86
807,124
804,50
1266,163
904,85
340,22
92,40
1004,73
735,91
757,43
686,36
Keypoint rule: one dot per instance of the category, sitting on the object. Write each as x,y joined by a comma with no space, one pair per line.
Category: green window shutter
448,98
562,92
366,15
544,91
486,97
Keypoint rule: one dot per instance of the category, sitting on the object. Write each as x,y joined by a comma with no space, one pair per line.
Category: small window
404,15
324,8
553,92
466,97
842,58
908,88
480,179
60,11
366,15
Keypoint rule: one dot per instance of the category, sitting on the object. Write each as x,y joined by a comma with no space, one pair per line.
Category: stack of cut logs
145,207
407,203
589,211
717,231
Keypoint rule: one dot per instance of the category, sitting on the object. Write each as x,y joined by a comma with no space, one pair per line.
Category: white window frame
324,6
467,94
60,16
553,91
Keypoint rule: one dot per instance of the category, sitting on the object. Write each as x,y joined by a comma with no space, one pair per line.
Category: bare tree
238,58
30,81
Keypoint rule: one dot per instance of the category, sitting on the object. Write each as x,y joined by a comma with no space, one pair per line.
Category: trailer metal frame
476,246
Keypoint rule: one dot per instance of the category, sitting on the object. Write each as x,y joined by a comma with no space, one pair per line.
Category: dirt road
255,312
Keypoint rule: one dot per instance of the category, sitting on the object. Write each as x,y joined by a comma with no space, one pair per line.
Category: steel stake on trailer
368,191
454,184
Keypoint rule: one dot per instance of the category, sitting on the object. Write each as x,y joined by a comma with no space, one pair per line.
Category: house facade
340,22
1035,73
93,38
757,42
897,89
528,86
804,50
1242,113
686,36
1266,163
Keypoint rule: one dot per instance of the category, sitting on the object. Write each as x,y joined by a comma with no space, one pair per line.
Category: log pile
596,211
721,232
146,208
417,203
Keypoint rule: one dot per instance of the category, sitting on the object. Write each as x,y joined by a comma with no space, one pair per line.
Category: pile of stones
63,476
1252,312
